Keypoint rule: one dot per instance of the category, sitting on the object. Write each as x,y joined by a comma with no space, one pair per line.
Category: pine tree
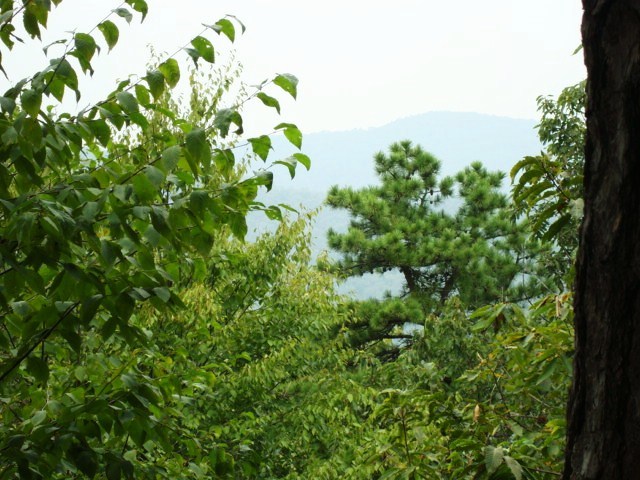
451,236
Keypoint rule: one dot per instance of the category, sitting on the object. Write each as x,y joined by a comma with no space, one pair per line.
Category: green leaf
142,94
21,308
238,225
493,456
128,102
9,136
556,227
139,119
6,35
152,236
288,82
290,163
6,15
139,6
110,33
487,315
109,252
261,146
109,328
171,71
56,88
242,27
7,104
303,159
155,80
273,213
159,219
72,338
31,101
86,462
35,281
144,189
265,177
226,27
38,368
223,120
30,22
521,164
32,132
65,72
140,293
85,49
198,146
195,56
90,307
113,470
101,130
224,161
38,417
124,306
292,133
163,293
204,48
124,13
155,175
269,101
57,42
514,466
170,157
548,370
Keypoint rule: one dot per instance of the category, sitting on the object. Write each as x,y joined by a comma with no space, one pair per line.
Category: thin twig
42,338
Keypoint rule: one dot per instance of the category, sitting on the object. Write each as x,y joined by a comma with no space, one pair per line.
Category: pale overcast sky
360,63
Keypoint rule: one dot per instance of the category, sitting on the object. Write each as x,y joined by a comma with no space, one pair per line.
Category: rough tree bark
604,406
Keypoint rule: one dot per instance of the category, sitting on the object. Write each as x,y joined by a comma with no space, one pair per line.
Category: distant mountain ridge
457,139
345,158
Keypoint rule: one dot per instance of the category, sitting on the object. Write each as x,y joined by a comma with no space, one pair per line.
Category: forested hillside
145,333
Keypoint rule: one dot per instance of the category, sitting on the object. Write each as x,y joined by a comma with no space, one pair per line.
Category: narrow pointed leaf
292,133
288,82
303,159
139,6
124,13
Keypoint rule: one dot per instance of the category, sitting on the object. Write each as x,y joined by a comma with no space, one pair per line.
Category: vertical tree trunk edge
603,416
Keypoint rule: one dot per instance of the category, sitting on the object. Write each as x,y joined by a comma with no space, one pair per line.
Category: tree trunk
409,277
604,408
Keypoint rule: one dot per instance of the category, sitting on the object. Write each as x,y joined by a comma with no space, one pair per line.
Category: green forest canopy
142,337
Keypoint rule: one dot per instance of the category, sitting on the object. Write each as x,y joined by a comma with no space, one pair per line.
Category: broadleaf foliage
105,214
